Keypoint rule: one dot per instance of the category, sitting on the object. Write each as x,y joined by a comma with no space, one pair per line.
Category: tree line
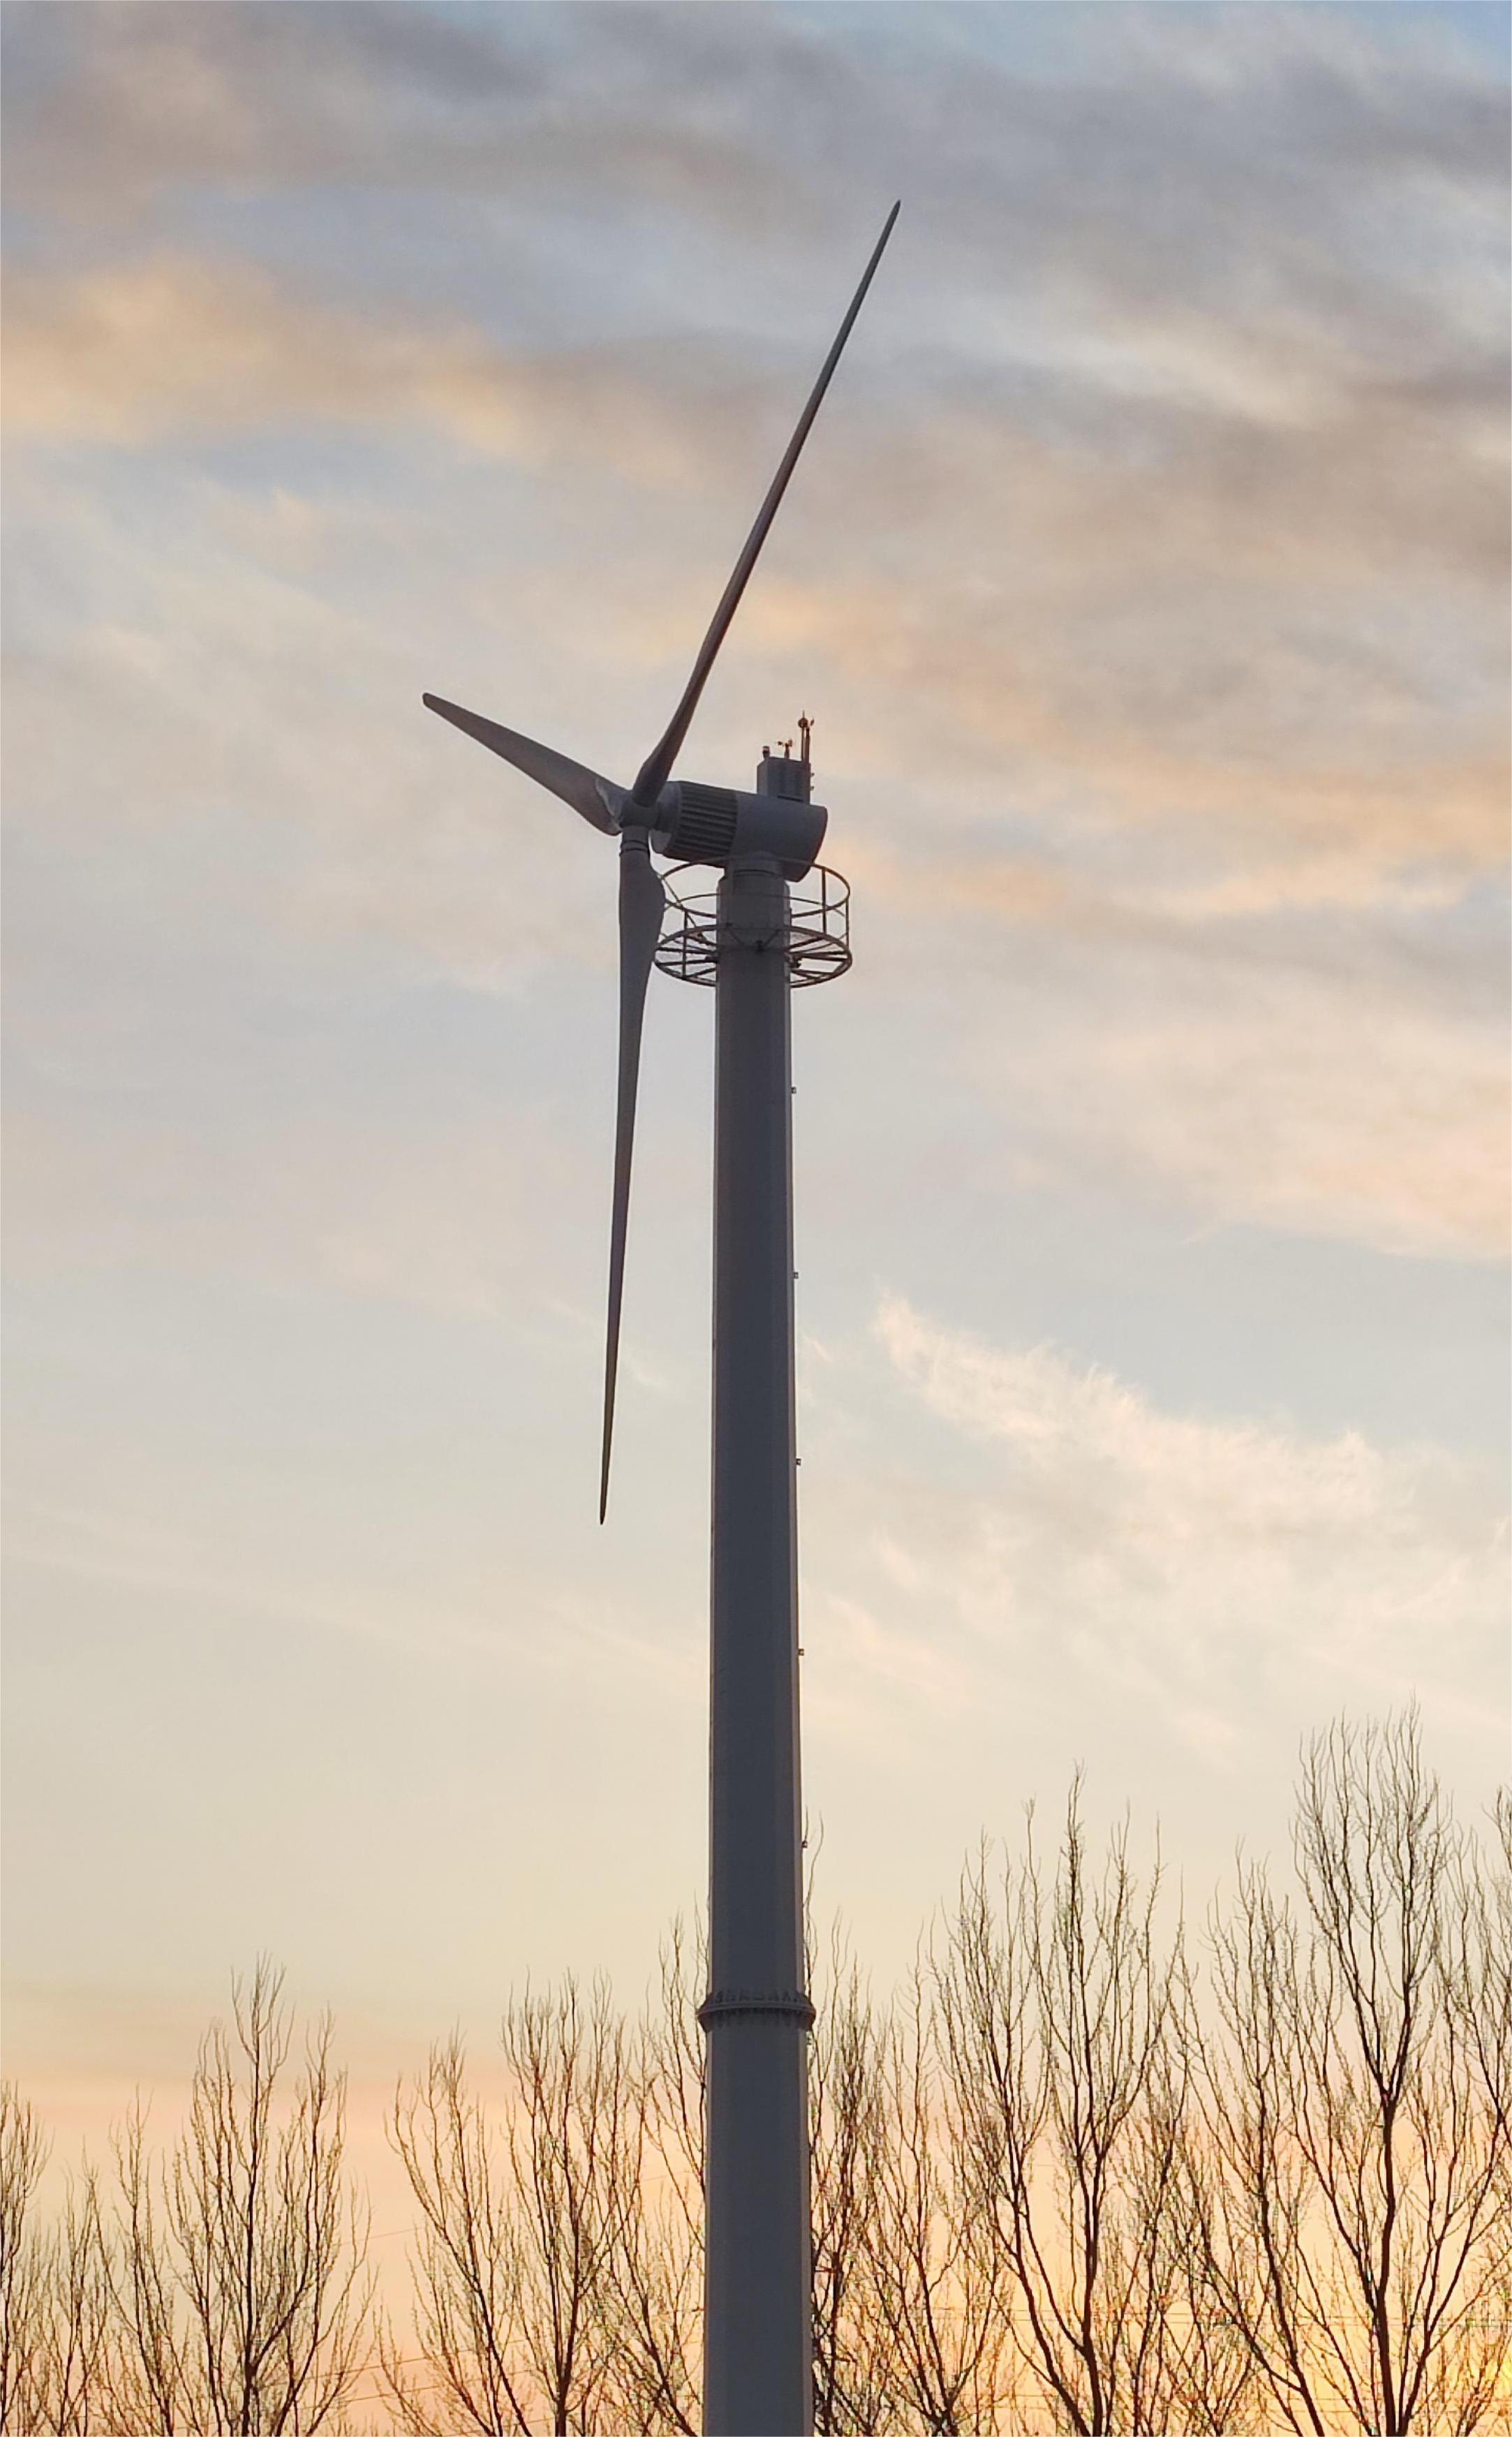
1095,2170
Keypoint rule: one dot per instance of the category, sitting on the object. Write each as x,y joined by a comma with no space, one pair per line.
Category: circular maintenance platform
818,929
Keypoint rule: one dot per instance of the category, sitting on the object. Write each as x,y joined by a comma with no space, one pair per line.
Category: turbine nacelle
696,824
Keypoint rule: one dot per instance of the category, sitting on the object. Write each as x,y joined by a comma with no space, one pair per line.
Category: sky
1146,579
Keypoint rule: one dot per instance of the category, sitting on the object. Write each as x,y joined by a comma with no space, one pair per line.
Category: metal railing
818,930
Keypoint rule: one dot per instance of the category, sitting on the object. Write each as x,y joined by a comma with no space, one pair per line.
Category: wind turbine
754,943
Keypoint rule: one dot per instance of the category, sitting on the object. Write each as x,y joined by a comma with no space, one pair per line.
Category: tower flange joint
721,2003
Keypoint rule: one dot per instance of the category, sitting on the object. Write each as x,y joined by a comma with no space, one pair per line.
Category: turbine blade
657,767
641,899
598,799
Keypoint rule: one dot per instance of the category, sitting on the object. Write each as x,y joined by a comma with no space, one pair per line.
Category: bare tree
465,2266
1047,2192
1358,2105
23,2156
1480,1977
657,2269
70,2391
934,2291
1059,2008
55,2292
520,2225
851,2393
572,2170
241,2295
1202,2366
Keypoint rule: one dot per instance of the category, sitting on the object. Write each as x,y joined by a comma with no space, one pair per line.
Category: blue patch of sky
1485,28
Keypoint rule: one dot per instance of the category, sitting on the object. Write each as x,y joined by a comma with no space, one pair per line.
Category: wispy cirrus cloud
1193,435
1130,895
180,347
1218,1574
1344,1094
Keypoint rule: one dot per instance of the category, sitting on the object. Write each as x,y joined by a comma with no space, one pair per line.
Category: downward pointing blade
657,768
598,799
641,899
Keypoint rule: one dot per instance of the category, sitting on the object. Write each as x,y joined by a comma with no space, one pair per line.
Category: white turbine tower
752,941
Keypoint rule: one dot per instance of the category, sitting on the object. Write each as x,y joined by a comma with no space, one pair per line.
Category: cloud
123,100
180,346
131,354
1206,1572
151,95
1311,652
1253,994
1188,414
1348,1097
1150,568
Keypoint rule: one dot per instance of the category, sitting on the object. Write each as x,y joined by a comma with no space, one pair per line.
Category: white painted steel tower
777,920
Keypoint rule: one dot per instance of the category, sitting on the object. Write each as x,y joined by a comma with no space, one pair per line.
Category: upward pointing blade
598,799
641,899
657,768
